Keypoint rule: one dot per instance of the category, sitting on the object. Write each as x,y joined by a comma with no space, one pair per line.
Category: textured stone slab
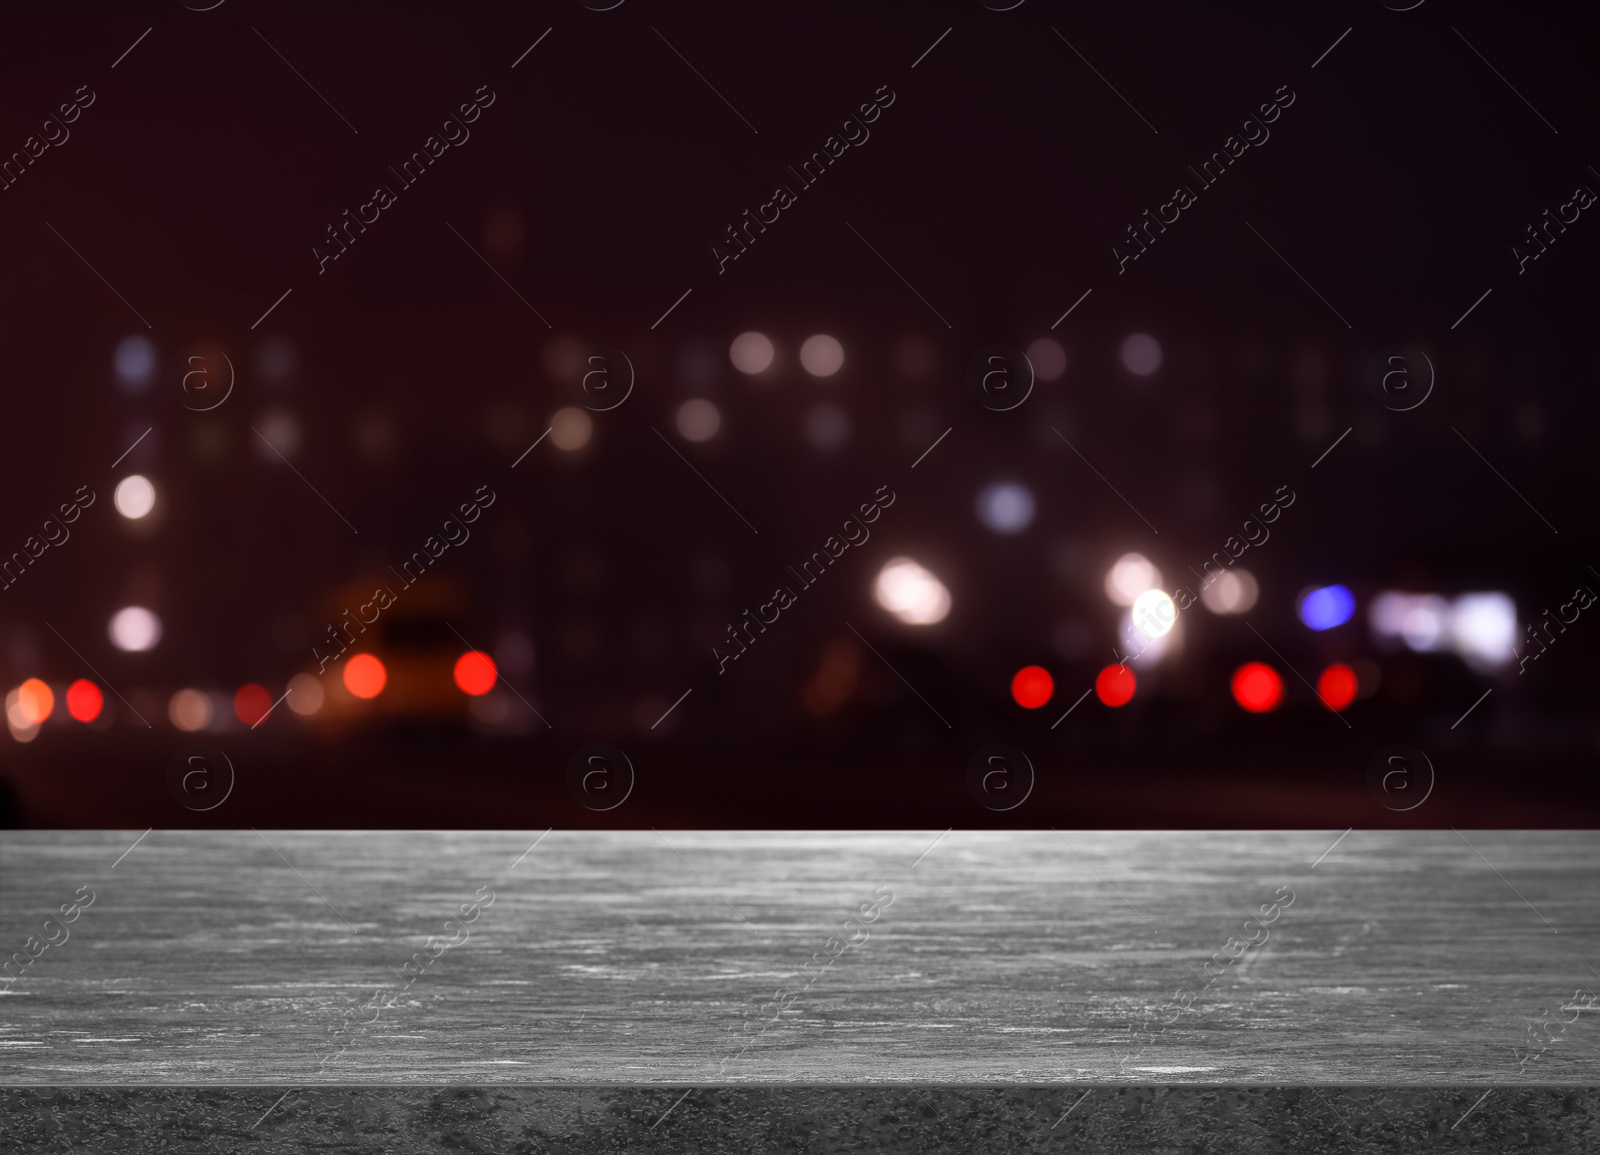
579,1121
1023,957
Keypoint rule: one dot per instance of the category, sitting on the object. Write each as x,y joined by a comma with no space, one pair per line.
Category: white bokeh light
570,428
1006,507
822,355
751,352
911,593
1141,354
134,497
1154,613
698,420
1129,577
1483,629
190,710
134,629
1234,591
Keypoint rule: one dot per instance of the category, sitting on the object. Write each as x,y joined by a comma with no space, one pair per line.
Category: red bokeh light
364,676
1336,686
1032,687
251,703
1115,685
1257,687
84,700
475,673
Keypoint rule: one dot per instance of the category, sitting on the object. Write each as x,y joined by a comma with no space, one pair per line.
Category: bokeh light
822,355
134,496
475,673
911,593
1048,357
1006,507
1337,685
827,426
1327,607
84,700
1234,591
281,431
570,428
35,701
1115,685
1129,577
1483,629
1257,687
1141,354
134,629
751,353
189,710
364,676
698,420
16,722
1154,613
134,363
251,703
1032,687
305,694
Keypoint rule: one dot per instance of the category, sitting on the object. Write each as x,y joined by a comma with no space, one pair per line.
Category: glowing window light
1006,507
911,593
1257,687
251,703
1336,686
570,429
305,694
1141,354
1049,359
1115,685
822,355
475,673
190,710
1234,591
35,701
135,363
827,426
1154,613
84,700
364,676
698,420
134,629
134,497
751,353
1032,687
1327,607
1129,577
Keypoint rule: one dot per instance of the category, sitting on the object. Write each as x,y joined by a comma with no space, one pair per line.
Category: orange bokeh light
1257,687
364,676
475,673
251,703
84,700
35,701
1115,685
1336,686
1032,687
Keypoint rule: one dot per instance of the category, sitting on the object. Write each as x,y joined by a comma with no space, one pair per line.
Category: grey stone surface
1120,1120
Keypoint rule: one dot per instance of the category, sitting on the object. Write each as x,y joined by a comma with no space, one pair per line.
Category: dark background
408,374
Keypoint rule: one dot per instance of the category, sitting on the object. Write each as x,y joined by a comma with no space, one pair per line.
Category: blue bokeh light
1327,607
